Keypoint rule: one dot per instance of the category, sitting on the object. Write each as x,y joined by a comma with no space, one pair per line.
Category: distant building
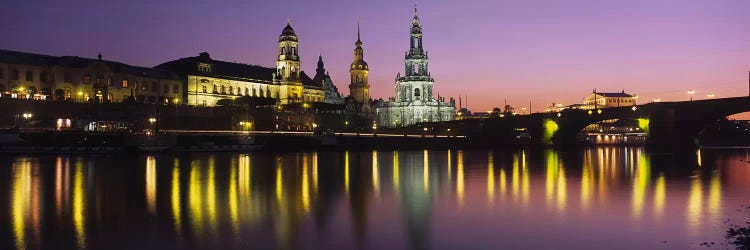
207,80
414,101
71,78
323,79
608,100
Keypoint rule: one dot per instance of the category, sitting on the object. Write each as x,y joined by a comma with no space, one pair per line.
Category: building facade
414,101
71,78
207,81
597,100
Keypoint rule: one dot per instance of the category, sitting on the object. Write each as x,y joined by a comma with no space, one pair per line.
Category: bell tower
359,89
288,67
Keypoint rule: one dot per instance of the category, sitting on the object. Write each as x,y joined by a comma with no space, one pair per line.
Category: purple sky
542,51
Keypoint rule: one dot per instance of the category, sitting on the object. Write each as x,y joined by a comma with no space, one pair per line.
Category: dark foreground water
604,198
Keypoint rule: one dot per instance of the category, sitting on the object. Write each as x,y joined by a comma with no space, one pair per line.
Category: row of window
229,90
44,77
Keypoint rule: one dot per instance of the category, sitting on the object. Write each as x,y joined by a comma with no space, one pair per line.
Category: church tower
359,89
288,67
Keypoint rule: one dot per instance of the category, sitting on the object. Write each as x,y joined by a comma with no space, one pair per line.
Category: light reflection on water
618,197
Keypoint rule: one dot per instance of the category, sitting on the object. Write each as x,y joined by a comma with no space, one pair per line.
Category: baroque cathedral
414,102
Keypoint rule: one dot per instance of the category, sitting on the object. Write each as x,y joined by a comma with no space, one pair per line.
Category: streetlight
152,120
657,100
691,93
711,95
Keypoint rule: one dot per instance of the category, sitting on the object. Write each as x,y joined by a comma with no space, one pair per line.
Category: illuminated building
359,89
414,102
597,100
208,80
71,78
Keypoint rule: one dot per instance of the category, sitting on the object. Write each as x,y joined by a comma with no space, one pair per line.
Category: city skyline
532,51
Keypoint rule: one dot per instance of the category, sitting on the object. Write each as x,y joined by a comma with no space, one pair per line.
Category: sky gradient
538,51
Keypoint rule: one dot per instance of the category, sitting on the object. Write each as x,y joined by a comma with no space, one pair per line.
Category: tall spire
358,39
415,8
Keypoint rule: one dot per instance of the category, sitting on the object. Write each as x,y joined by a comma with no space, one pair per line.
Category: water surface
613,198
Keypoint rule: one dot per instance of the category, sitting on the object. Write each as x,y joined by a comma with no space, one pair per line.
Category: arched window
416,92
247,91
416,69
223,89
205,89
283,50
255,93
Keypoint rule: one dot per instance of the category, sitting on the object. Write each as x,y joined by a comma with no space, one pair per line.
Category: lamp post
691,93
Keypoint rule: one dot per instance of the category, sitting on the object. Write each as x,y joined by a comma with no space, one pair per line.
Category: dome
288,33
288,30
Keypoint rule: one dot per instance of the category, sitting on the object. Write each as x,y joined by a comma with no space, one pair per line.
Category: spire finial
415,8
288,21
358,29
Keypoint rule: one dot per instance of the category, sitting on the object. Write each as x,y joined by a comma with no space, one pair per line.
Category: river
596,198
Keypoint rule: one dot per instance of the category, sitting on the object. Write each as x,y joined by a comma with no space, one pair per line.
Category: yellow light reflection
20,200
640,183
176,207
305,185
550,176
211,192
525,189
450,167
195,199
587,176
245,174
375,174
514,178
395,172
490,179
233,205
151,184
695,205
426,171
698,156
346,171
279,183
460,179
660,191
562,191
315,171
79,205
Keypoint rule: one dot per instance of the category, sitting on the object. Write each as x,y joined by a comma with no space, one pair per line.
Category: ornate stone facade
207,80
414,101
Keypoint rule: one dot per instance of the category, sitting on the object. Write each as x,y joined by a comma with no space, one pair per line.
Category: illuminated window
29,76
144,86
68,93
124,83
86,79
